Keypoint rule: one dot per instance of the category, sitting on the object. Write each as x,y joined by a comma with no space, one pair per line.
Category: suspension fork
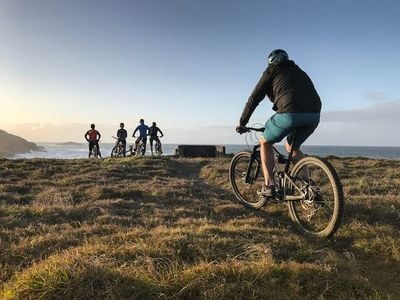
253,157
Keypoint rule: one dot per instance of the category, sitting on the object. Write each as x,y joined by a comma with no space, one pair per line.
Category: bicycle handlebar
260,129
244,129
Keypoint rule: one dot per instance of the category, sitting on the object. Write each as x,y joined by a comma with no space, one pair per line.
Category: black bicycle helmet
277,55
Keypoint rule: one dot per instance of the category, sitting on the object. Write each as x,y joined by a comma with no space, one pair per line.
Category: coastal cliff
11,144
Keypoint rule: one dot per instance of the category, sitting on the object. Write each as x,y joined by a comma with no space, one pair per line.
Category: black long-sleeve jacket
122,134
288,87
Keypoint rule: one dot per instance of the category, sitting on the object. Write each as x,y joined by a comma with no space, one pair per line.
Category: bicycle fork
251,178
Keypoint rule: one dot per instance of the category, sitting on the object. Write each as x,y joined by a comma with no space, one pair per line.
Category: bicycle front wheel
246,192
114,151
321,209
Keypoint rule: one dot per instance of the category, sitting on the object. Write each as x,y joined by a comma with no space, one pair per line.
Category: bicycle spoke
315,214
246,192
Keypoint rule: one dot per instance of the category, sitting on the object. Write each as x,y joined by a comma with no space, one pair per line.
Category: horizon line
223,144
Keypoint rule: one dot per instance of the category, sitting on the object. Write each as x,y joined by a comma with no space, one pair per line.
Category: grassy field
167,228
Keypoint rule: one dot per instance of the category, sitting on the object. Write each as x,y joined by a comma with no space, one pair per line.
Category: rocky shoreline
11,144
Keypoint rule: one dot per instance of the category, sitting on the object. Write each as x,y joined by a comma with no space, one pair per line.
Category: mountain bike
158,147
118,150
311,189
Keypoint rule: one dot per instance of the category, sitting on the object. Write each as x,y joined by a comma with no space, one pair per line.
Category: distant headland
11,144
69,143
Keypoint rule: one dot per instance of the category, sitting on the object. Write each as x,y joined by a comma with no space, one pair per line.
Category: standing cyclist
153,135
143,132
93,137
297,107
122,134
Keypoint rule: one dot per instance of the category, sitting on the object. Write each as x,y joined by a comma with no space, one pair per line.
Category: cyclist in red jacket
93,137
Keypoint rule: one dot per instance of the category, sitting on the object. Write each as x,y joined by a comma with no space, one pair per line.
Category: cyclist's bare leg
267,161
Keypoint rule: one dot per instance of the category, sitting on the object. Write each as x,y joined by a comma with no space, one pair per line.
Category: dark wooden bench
200,151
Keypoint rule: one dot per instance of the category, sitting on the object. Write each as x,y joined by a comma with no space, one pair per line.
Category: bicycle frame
283,175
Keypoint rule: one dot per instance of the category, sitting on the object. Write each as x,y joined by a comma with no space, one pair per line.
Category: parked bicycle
158,146
311,189
118,150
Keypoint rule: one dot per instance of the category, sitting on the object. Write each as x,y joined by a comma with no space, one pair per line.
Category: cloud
379,112
376,125
376,96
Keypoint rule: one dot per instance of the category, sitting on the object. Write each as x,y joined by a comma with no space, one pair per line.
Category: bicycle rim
246,192
121,151
158,148
114,152
321,210
94,152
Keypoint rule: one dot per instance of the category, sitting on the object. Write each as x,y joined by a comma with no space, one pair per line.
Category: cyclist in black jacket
122,135
153,131
297,107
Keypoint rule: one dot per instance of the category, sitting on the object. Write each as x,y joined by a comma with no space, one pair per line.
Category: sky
191,66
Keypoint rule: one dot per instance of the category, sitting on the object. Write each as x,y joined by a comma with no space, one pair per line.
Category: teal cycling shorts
284,124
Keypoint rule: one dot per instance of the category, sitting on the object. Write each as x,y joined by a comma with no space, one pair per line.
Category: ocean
71,151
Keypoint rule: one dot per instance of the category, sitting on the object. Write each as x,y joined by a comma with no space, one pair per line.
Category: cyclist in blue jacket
143,133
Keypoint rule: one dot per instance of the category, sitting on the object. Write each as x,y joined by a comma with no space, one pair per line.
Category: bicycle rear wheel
158,148
321,210
139,150
95,152
246,193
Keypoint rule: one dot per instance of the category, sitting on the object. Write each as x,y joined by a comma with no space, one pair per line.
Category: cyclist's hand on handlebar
241,129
